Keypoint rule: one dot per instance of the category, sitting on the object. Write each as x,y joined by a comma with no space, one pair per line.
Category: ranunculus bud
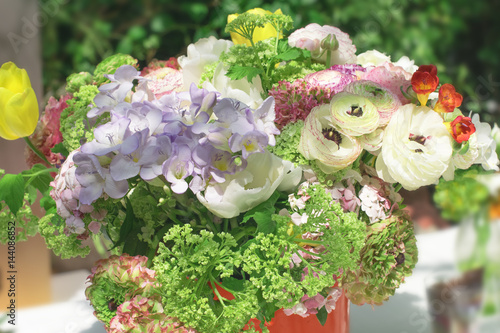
330,42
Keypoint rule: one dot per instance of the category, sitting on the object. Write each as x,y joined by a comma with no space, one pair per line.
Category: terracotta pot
337,321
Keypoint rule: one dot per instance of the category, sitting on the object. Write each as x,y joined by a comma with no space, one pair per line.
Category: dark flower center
400,259
418,139
112,306
332,135
356,111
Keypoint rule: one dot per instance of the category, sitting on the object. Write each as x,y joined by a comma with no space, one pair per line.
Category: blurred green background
459,36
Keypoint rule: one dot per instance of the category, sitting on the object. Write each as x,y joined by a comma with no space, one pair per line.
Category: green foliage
187,266
462,197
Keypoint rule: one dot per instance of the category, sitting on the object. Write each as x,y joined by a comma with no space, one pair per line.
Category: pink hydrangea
311,305
65,192
346,196
143,314
47,133
310,38
391,77
126,270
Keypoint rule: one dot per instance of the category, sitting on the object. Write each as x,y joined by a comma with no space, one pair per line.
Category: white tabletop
405,312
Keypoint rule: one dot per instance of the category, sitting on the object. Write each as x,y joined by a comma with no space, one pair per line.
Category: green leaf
12,191
262,214
59,148
233,284
237,72
32,194
127,225
128,234
322,316
38,177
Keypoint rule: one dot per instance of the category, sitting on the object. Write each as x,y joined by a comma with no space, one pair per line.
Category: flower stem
36,151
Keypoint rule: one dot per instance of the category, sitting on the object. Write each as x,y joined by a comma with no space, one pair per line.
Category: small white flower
372,58
298,219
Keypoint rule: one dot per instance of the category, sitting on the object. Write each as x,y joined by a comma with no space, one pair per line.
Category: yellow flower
259,34
18,103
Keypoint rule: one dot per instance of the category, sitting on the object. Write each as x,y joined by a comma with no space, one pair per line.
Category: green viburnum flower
117,279
51,227
74,122
77,80
389,255
110,65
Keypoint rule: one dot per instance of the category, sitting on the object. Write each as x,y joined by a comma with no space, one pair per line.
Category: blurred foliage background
459,36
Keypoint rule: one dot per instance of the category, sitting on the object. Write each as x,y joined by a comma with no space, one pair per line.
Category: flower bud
330,42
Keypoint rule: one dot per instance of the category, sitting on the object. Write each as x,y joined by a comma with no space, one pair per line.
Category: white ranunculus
321,141
486,145
463,161
242,90
244,190
416,149
204,52
372,58
407,64
354,114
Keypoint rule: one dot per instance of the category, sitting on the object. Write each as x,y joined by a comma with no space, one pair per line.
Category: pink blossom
391,77
294,101
47,133
163,81
346,196
311,36
330,80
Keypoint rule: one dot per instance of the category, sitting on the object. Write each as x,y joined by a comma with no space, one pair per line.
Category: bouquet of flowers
245,177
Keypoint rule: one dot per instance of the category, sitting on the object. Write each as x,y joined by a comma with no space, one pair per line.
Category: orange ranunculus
461,128
18,103
449,99
259,34
424,81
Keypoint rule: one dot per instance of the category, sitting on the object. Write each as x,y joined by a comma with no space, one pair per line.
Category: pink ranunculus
163,81
393,78
311,36
330,80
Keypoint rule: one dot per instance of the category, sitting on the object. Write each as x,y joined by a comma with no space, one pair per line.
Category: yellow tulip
259,34
18,103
